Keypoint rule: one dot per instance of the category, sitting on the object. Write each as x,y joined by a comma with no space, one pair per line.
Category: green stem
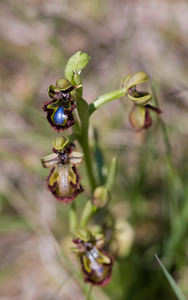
87,213
87,156
105,98
88,297
73,222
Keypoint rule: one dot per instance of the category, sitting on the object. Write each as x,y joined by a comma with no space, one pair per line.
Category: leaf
172,282
76,63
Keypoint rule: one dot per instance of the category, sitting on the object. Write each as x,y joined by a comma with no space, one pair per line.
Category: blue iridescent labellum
59,109
96,264
58,116
63,180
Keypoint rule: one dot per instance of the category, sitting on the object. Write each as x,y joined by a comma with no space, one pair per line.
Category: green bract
75,64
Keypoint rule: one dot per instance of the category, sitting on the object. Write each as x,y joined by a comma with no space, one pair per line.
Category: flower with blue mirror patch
96,263
63,180
59,109
139,117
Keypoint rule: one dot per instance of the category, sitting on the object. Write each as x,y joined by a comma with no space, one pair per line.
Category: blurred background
150,197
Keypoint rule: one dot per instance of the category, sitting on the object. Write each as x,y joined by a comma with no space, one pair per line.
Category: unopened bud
101,196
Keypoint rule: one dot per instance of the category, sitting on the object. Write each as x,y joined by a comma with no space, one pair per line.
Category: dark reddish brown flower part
63,180
59,116
140,117
96,263
59,109
71,186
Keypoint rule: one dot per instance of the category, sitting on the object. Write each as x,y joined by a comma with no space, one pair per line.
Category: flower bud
101,196
123,238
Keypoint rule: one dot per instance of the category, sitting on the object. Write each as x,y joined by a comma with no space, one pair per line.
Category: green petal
139,98
76,158
50,160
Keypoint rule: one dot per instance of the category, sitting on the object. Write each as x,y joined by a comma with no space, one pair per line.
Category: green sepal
60,143
63,84
130,81
83,234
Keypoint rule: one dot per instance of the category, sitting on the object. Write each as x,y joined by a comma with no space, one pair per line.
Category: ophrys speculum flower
59,109
96,263
139,117
63,180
